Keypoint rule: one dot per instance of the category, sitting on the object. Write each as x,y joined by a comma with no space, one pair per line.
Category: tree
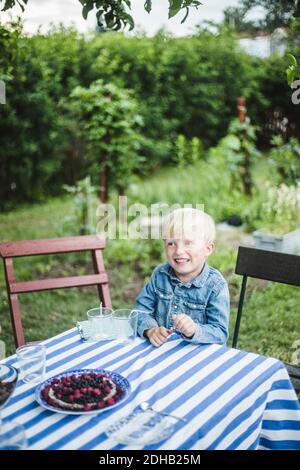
108,121
277,13
235,18
114,14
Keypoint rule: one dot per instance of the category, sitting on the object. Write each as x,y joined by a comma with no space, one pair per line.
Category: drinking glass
12,434
32,362
125,324
100,320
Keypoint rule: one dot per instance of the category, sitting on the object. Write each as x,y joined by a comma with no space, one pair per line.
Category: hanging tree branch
115,14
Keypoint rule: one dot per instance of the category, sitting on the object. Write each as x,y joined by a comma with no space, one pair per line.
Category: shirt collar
198,281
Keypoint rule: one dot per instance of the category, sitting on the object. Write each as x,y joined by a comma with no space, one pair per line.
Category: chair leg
103,289
239,313
14,306
16,320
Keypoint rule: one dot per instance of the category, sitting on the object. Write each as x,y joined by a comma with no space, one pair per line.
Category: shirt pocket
163,302
195,310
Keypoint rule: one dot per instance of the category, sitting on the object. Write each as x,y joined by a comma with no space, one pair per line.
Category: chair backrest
268,265
9,250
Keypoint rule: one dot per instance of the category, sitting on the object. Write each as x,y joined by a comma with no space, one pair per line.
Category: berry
45,393
110,401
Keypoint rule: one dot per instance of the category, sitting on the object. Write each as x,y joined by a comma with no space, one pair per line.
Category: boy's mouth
181,260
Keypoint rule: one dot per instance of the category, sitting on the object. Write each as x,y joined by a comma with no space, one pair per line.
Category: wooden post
241,102
245,169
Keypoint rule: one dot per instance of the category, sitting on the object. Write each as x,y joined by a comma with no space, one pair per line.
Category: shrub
281,210
286,158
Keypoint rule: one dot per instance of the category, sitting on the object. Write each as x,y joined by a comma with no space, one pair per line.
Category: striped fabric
231,399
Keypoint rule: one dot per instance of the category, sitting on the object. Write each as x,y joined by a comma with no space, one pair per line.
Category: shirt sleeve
217,316
146,304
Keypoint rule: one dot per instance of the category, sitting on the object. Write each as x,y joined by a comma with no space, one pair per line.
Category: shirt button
175,306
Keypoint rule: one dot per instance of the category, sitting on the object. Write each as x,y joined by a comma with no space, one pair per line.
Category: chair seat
294,373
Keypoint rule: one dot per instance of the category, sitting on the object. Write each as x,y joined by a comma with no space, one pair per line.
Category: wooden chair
9,250
271,266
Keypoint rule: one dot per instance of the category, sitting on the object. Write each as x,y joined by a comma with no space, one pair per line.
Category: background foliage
185,86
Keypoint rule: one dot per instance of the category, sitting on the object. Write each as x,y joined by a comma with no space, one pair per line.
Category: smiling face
187,254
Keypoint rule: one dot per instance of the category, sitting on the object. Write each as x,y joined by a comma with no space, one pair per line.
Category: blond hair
193,220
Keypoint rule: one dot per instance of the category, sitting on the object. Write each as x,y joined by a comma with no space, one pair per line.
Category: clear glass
32,362
125,324
101,327
142,428
12,434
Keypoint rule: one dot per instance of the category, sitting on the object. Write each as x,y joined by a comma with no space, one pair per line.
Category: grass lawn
270,322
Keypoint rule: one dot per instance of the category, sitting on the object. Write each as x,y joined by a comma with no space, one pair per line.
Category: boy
185,294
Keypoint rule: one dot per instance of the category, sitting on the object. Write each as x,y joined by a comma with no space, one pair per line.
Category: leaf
99,17
20,4
148,5
86,9
129,20
11,3
232,142
290,73
292,60
174,7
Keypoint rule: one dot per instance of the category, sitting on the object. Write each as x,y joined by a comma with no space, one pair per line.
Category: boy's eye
170,243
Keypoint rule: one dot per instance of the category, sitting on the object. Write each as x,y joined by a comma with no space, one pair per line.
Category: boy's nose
179,251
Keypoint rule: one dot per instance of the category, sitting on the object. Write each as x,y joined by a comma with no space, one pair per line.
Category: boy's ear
210,248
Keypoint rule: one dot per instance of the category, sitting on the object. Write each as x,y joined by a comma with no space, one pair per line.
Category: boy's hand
184,324
157,335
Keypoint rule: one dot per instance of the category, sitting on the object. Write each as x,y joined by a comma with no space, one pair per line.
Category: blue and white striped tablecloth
231,399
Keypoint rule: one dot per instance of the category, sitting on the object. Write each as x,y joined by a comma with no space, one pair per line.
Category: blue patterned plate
118,379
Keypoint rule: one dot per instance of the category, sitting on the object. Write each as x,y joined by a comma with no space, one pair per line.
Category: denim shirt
205,299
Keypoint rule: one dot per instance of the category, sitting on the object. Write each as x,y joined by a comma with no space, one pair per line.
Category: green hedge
183,86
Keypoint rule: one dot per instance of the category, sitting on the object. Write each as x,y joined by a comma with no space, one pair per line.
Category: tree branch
114,14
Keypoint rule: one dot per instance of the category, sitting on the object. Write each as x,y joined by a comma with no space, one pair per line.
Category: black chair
271,266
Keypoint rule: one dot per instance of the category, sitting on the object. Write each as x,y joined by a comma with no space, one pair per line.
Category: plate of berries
83,391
